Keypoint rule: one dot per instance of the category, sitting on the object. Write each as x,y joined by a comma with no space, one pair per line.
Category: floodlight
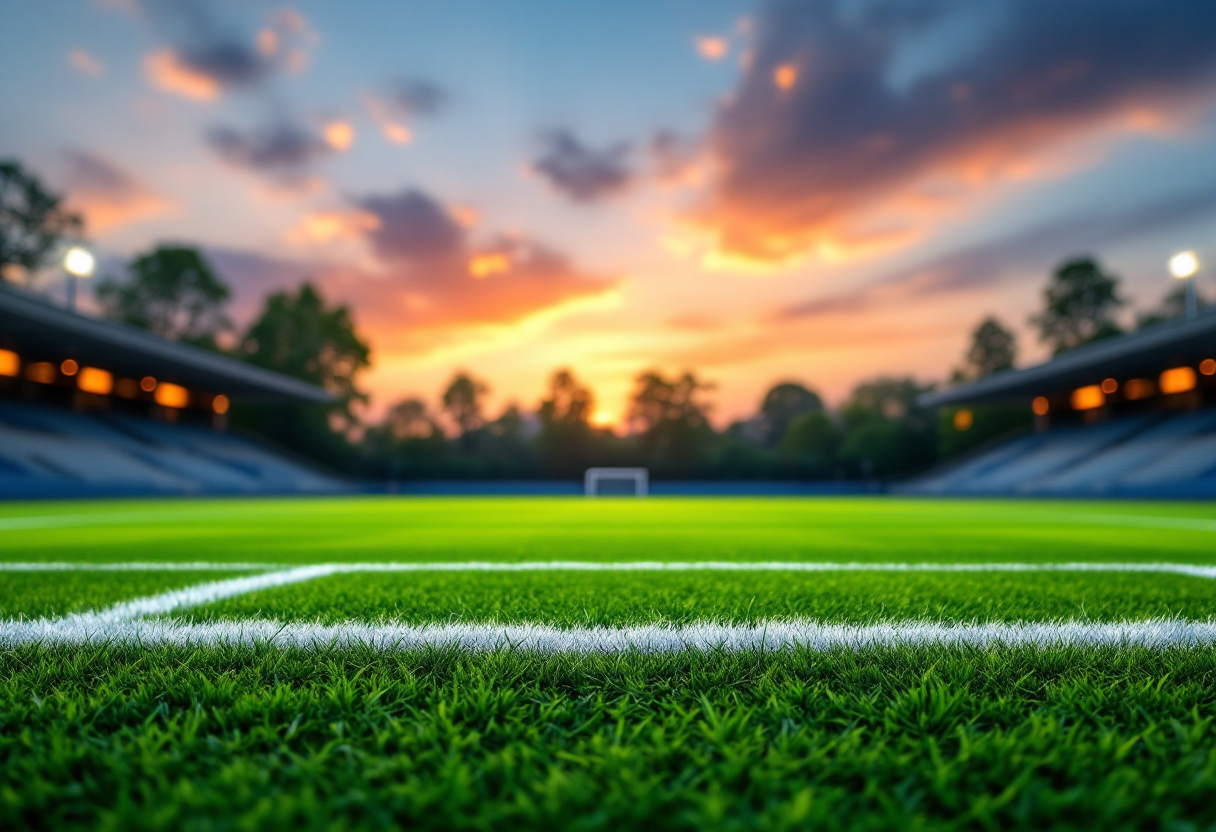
79,262
1184,264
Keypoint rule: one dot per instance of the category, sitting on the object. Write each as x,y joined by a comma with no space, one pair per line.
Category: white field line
1194,570
126,622
653,638
191,596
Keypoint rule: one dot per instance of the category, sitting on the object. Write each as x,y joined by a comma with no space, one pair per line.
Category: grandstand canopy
37,330
1139,354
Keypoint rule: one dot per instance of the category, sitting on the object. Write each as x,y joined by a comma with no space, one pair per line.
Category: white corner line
193,596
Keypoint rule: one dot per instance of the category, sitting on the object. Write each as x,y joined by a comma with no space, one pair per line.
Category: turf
128,736
386,529
34,594
920,739
574,599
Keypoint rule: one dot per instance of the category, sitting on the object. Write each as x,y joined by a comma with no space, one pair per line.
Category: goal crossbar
640,477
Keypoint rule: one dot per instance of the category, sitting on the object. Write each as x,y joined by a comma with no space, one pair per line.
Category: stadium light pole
77,262
1183,266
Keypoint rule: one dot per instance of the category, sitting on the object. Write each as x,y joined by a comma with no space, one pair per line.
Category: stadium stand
1133,416
94,408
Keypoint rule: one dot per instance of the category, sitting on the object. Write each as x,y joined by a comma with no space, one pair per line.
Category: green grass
113,736
573,599
387,529
929,739
35,594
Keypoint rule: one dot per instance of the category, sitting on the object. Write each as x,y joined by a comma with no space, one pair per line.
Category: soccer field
533,663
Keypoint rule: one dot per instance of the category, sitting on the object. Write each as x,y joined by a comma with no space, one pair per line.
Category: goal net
595,477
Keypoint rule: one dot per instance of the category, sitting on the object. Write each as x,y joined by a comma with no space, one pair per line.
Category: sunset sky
819,191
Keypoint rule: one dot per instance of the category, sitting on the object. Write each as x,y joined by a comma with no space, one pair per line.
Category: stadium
811,573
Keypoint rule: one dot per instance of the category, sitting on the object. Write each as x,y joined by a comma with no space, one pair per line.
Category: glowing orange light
42,372
1109,386
1088,398
69,367
268,42
963,420
1040,406
398,133
219,404
484,265
603,419
172,395
10,363
1177,380
128,388
339,135
167,71
147,384
464,215
785,76
712,49
1208,366
93,380
1138,388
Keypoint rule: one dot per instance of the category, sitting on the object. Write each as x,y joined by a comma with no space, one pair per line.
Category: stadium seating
47,452
1166,454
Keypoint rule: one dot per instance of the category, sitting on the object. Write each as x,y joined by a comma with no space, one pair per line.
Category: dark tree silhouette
886,432
171,291
33,222
784,403
1079,304
673,420
993,349
814,439
566,437
298,335
569,403
410,419
463,401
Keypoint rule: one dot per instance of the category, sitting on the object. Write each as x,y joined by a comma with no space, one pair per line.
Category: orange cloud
712,48
793,173
433,279
785,76
493,262
107,195
398,133
466,216
268,42
327,226
339,135
166,71
84,63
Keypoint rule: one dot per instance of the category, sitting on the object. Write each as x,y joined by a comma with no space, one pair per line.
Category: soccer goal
594,476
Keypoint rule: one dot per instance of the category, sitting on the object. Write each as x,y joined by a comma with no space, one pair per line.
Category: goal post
639,476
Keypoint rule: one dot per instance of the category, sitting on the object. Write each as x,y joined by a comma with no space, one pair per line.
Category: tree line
879,431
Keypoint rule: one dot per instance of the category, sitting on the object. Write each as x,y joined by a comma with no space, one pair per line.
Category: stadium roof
38,330
1140,354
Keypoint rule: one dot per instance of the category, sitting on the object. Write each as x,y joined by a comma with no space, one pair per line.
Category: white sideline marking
1154,633
127,622
1195,570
